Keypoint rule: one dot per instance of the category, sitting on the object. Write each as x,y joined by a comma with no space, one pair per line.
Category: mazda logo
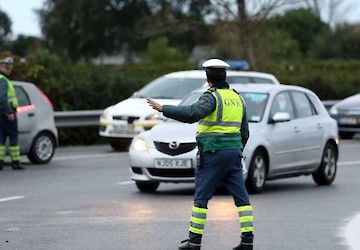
173,145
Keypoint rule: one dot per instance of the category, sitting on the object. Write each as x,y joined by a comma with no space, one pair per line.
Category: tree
81,30
5,29
23,45
158,50
302,25
345,43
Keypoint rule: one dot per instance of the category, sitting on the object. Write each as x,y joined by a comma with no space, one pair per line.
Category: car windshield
255,103
169,88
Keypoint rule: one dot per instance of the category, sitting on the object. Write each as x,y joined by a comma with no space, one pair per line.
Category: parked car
291,134
38,136
347,114
121,122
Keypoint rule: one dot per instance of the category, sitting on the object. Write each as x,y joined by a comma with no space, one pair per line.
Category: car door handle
296,130
31,114
319,126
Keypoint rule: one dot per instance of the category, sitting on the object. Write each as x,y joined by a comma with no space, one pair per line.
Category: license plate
348,121
172,163
122,127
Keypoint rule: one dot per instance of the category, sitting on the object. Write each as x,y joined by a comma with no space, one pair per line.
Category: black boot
187,245
17,166
246,242
244,246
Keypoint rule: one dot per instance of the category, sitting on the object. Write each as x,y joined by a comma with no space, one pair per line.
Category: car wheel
120,144
42,148
326,172
257,172
147,187
346,135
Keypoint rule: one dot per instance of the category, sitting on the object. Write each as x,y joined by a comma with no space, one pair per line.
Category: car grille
182,148
171,172
129,119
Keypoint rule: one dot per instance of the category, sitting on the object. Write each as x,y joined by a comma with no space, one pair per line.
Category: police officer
8,120
221,135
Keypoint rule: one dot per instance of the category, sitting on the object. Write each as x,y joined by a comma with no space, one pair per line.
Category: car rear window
22,96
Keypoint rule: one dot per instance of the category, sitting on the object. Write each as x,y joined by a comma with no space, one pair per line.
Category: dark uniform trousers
220,167
8,128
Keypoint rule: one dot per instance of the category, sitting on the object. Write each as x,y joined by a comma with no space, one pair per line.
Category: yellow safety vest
227,117
11,94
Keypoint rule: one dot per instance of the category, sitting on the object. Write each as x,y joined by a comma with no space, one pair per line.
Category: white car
121,122
291,134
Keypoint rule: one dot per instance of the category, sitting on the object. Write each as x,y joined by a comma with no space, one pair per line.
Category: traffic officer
221,136
8,120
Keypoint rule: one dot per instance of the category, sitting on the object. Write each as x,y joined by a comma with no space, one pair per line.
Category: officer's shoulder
235,91
211,89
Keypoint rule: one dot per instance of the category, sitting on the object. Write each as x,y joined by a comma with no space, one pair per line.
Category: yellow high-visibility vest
227,117
11,94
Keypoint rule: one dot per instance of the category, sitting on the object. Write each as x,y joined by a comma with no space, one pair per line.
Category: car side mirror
281,117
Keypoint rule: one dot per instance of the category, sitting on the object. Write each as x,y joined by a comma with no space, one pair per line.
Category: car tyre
256,178
346,135
42,148
326,172
147,187
120,144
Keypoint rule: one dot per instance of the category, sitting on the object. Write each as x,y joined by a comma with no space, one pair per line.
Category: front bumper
143,167
123,129
348,123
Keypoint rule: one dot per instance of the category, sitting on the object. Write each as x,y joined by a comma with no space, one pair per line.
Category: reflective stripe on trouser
2,152
15,153
246,218
198,220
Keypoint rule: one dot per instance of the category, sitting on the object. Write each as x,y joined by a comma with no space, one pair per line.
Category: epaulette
212,89
235,91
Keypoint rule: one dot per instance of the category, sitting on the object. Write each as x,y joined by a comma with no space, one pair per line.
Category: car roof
259,88
21,83
201,74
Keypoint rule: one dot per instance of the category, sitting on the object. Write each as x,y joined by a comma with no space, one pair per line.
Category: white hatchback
291,134
121,122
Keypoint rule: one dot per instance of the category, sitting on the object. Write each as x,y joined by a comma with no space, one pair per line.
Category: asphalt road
84,199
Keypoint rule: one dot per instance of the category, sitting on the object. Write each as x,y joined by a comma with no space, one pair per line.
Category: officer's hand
155,105
11,116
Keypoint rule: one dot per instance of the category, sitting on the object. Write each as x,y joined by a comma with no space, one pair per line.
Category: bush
90,87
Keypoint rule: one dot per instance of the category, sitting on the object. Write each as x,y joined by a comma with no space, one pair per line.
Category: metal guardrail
87,118
78,118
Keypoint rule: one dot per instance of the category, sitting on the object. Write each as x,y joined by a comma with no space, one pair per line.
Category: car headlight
333,111
105,115
154,117
139,144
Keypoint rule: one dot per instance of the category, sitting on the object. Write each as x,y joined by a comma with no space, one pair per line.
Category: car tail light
46,98
22,109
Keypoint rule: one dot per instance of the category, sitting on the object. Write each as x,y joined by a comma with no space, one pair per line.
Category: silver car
38,136
291,134
347,114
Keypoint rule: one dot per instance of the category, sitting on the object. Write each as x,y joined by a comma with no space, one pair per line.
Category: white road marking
349,163
125,183
352,232
11,198
75,157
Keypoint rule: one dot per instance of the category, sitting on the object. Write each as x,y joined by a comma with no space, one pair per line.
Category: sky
24,19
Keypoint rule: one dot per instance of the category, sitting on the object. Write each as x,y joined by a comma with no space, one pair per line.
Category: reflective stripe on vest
223,121
11,94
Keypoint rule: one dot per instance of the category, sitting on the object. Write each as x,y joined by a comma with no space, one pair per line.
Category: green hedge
89,87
